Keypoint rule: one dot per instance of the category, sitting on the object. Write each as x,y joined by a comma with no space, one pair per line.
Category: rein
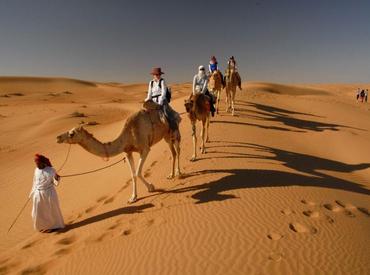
95,170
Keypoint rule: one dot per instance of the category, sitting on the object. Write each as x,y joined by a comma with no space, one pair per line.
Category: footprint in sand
287,211
348,206
88,210
111,199
301,228
101,199
39,269
62,251
114,226
349,213
339,208
329,219
30,244
66,241
276,256
364,210
311,214
126,232
147,173
102,237
332,207
274,236
310,203
153,163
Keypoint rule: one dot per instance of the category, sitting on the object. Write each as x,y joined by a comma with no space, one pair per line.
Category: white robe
46,212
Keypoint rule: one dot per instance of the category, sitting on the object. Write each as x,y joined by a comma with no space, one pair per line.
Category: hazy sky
107,40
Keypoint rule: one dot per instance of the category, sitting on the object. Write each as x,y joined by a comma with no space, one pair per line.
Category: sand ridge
282,189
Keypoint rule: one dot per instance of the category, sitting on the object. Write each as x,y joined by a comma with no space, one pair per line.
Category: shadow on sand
107,215
283,116
253,178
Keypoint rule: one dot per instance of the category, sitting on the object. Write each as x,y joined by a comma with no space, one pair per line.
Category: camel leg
173,152
202,134
177,148
139,175
207,128
233,100
194,134
227,99
218,100
131,164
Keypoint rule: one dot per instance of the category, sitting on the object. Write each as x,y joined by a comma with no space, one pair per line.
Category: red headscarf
43,159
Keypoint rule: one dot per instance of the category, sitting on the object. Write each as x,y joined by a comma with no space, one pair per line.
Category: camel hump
201,103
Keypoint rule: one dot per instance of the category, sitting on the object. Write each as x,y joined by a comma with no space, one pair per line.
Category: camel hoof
180,175
151,188
170,177
193,159
132,200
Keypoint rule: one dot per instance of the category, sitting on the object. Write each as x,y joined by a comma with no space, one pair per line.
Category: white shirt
199,84
155,93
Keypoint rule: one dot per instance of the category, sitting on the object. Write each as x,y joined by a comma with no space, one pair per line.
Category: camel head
73,136
188,105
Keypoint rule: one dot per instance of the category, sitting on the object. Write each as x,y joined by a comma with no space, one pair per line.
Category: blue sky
277,41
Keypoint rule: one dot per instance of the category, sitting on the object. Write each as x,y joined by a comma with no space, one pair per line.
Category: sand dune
282,189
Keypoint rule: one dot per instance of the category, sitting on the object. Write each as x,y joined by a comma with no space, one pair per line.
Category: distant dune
282,189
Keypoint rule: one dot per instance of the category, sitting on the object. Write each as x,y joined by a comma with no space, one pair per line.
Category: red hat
42,159
156,71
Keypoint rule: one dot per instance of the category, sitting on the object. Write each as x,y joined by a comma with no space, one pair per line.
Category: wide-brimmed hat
156,71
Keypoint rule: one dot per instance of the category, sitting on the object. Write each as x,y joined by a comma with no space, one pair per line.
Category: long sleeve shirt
199,84
156,93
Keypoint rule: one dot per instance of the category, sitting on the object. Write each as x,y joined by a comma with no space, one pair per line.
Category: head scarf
43,159
201,71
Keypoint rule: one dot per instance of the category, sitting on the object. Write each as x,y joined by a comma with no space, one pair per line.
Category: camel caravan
157,121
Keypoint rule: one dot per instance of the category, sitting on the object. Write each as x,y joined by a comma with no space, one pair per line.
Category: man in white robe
46,212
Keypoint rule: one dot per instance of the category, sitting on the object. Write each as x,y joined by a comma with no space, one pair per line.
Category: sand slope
283,188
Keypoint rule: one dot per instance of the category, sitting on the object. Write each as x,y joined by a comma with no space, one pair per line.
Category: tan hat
156,71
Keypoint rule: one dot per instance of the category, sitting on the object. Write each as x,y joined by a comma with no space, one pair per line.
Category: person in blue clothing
213,65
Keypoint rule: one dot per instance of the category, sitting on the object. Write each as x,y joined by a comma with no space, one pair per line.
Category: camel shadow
311,166
283,116
256,125
107,215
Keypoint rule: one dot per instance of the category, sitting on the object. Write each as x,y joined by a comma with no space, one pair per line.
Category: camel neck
109,149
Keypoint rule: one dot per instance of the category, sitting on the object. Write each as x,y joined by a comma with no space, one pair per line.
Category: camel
232,79
215,85
141,131
198,108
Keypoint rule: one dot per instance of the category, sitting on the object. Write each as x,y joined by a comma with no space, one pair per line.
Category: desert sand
282,189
